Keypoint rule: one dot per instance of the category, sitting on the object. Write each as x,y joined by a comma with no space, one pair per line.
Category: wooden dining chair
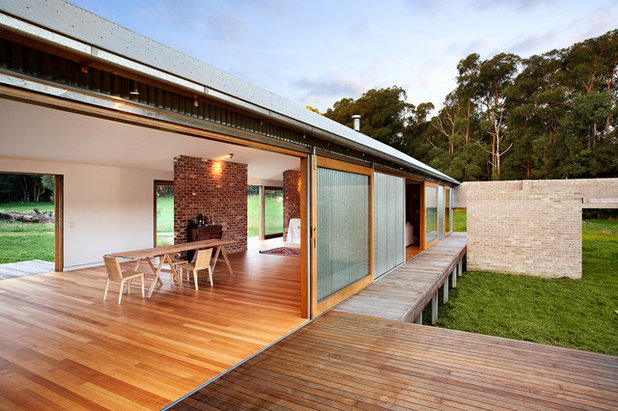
115,273
201,262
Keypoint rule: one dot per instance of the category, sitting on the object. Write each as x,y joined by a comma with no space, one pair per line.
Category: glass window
342,230
273,212
165,213
253,211
431,213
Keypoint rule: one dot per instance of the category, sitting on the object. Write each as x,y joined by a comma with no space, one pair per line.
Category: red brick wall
291,198
215,189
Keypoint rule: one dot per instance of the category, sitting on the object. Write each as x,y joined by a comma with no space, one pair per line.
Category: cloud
521,5
534,43
330,85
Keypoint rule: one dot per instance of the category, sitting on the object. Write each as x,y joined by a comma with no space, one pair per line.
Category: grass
26,241
570,313
165,215
273,218
459,220
28,246
26,208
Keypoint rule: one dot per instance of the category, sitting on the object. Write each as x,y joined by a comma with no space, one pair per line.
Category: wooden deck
62,347
24,268
348,361
403,293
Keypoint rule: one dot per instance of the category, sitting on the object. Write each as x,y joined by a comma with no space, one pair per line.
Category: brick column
291,198
215,189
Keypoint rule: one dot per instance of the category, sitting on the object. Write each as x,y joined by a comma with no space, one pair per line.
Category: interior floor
412,250
62,346
254,243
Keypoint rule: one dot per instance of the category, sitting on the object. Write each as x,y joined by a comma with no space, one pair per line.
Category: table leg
173,269
154,270
229,266
216,258
157,273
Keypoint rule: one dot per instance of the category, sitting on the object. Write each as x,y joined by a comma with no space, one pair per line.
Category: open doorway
30,224
163,212
413,229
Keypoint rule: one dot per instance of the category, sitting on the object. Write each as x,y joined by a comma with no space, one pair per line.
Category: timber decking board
345,361
24,268
61,346
403,293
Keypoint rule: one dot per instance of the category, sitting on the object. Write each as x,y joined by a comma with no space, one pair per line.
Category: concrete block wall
217,190
291,198
531,227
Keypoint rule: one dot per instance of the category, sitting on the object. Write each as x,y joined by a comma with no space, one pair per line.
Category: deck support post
419,319
460,268
445,287
454,278
434,309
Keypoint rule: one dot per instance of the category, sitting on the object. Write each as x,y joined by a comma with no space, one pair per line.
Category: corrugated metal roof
69,20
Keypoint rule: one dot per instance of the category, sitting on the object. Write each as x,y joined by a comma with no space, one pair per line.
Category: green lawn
24,241
273,217
27,208
459,220
570,313
165,220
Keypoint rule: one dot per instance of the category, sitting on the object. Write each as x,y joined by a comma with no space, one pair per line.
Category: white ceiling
40,133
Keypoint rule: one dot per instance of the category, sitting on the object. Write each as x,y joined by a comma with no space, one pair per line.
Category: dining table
165,253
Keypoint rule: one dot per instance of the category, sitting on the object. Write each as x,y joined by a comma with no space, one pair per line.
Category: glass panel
253,211
389,221
441,212
447,209
343,230
165,214
431,213
273,211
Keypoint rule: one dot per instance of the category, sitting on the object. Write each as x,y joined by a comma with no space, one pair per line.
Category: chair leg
210,276
195,278
129,286
143,295
121,291
106,288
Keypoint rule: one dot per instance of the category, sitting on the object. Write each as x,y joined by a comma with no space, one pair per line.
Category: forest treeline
548,116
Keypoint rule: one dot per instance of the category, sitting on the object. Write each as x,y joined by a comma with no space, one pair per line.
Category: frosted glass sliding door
342,230
389,221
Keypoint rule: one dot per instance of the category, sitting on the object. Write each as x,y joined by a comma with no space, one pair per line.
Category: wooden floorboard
350,361
403,293
61,346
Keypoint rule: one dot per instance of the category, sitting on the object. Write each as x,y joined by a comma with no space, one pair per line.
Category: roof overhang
78,31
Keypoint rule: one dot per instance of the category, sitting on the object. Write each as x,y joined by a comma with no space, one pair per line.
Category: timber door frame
318,308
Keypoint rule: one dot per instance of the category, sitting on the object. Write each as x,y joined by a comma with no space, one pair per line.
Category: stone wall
291,198
215,189
531,227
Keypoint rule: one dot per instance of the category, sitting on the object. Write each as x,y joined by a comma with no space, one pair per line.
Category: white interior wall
106,209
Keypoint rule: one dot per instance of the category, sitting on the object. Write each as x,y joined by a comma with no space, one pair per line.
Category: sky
317,52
